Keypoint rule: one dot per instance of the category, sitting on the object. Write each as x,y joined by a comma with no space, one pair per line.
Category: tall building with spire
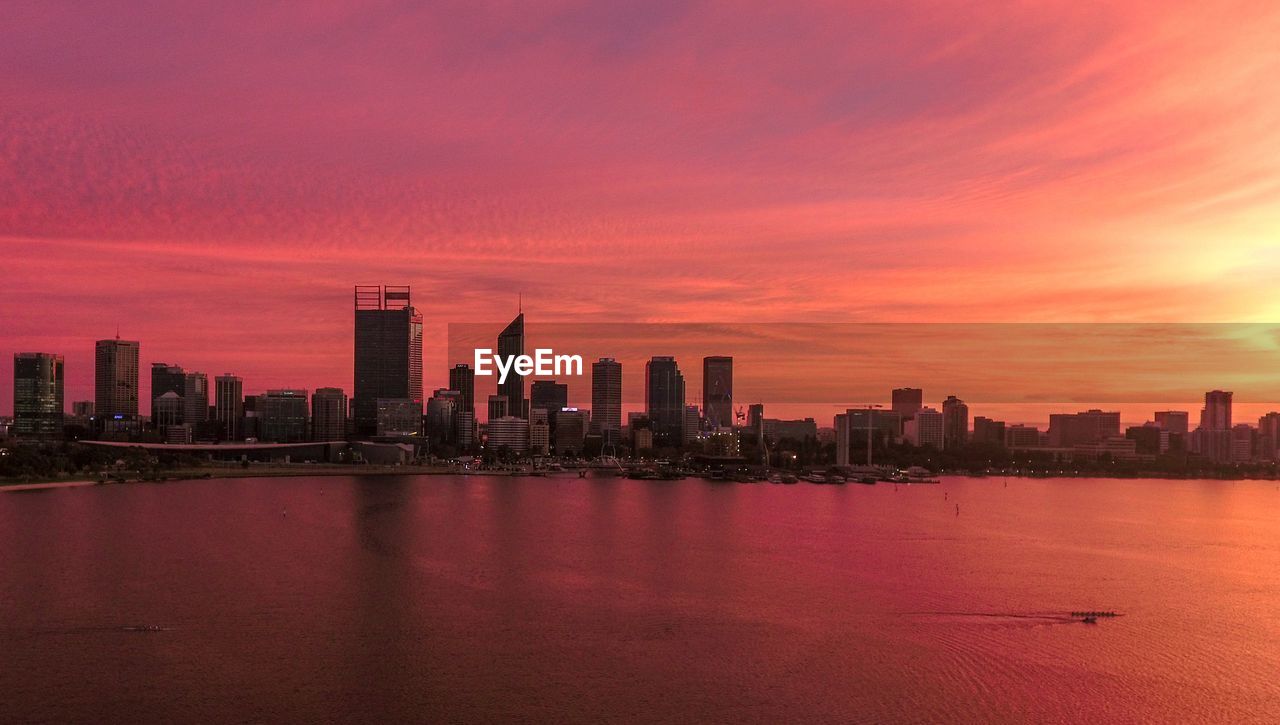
511,344
116,378
388,355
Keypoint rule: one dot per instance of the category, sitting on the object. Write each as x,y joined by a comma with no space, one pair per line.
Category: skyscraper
906,401
606,400
511,344
195,398
550,396
388,353
37,396
717,391
497,407
955,422
228,405
116,378
166,378
927,428
1174,421
463,379
282,416
1216,414
664,400
328,414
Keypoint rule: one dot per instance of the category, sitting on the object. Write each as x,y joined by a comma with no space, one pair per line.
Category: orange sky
215,181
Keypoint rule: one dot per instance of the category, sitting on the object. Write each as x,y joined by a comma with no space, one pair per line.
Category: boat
814,478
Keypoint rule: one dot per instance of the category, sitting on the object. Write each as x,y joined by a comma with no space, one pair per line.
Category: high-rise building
388,353
692,420
755,417
497,407
539,432
398,417
1243,443
195,398
606,400
328,414
228,405
1269,437
463,379
986,430
664,400
906,401
166,378
571,431
509,434
927,428
717,391
550,396
442,412
466,426
168,411
1021,436
1174,421
511,345
1216,414
282,416
116,378
955,422
38,412
1067,430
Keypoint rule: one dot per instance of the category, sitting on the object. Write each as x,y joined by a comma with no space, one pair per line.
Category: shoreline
205,474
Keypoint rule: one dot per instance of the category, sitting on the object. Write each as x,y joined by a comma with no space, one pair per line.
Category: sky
213,181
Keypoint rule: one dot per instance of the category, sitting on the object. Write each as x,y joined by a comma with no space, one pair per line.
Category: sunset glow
213,182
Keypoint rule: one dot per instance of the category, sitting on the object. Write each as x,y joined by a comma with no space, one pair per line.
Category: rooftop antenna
519,303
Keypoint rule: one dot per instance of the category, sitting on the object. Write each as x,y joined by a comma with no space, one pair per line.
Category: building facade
717,391
388,353
38,385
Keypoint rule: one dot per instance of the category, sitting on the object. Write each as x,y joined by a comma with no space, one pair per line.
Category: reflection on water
496,598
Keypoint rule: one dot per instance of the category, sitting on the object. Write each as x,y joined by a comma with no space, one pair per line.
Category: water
480,599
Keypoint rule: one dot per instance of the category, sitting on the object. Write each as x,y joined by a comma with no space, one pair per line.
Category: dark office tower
328,414
606,400
906,401
228,405
1174,421
664,400
388,353
511,343
497,407
717,391
755,417
116,378
550,396
463,379
37,396
195,399
282,416
955,422
166,378
1216,415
